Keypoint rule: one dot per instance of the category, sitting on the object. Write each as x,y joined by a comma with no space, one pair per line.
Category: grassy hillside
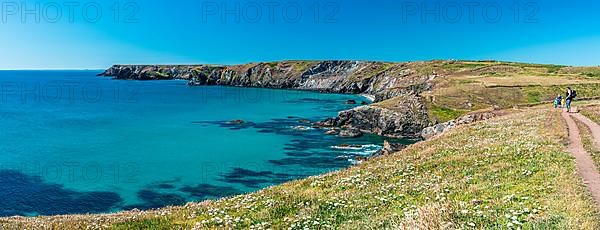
509,172
464,86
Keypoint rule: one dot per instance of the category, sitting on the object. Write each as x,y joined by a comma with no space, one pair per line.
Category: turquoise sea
72,142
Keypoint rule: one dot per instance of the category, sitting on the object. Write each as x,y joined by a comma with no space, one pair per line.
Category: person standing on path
570,96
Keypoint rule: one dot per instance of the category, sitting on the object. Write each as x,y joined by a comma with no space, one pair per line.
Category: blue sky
196,32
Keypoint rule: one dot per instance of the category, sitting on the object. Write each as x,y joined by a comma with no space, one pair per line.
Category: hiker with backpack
571,94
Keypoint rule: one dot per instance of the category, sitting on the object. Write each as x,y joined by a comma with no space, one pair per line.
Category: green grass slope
592,111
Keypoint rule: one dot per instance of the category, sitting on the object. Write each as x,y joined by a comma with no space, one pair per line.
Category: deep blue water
71,142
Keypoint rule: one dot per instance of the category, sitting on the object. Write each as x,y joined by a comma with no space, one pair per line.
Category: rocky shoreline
405,115
378,81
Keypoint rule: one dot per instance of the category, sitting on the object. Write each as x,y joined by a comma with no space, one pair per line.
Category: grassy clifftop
465,86
508,172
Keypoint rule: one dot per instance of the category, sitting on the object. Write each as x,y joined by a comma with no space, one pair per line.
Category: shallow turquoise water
71,142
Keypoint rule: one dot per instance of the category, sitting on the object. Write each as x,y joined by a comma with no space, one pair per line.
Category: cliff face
379,79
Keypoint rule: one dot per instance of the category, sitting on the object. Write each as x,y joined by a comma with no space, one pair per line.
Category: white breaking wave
354,162
352,151
301,128
369,97
356,147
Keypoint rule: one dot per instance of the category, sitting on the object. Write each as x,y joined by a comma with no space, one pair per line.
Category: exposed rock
360,159
329,122
470,118
407,119
364,103
437,129
350,133
333,132
389,148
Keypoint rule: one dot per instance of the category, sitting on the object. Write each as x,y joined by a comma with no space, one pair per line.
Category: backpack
573,93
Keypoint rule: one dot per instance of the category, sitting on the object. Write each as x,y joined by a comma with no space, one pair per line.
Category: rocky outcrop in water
406,118
380,79
350,132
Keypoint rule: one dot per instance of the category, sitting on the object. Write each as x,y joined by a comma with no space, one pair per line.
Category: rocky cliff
380,79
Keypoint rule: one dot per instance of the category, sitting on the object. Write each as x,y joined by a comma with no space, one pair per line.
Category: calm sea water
71,142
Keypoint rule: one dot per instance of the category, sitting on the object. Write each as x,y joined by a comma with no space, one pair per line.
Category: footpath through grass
509,172
592,111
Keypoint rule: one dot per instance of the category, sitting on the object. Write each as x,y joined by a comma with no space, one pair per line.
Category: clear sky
196,32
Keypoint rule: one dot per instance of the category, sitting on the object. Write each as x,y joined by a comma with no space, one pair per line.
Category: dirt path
593,126
585,165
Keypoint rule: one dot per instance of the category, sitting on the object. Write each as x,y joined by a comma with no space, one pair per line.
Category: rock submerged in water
350,102
350,133
304,121
236,122
349,146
